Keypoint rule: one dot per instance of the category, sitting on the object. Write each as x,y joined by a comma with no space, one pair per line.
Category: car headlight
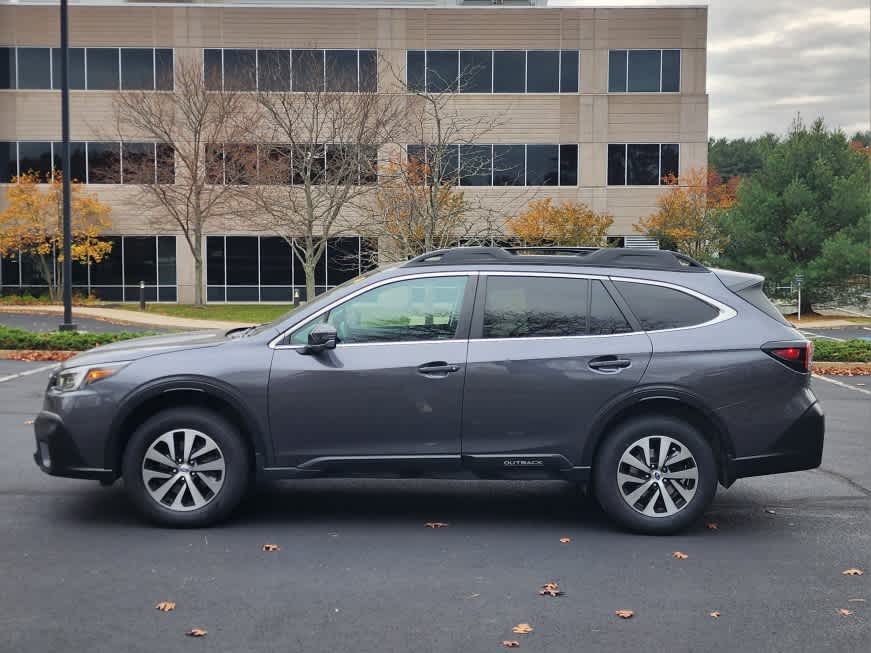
75,378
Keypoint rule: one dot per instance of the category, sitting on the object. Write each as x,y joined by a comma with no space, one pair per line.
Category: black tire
607,462
236,457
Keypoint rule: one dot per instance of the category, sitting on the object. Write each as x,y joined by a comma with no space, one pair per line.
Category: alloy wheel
657,476
183,470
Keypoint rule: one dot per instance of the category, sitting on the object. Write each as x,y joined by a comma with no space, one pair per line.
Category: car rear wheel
186,467
655,475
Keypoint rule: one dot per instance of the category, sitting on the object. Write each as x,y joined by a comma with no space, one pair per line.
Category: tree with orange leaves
689,214
569,223
32,223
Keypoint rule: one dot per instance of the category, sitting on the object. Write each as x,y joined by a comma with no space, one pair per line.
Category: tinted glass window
165,164
569,71
617,71
32,271
8,161
104,163
528,307
442,70
341,70
240,70
568,165
542,69
308,70
616,165
276,264
476,164
137,68
657,307
215,260
643,71
274,164
444,163
77,160
509,165
671,71
240,163
241,260
273,70
670,160
369,70
509,71
137,161
34,68
417,309
9,273
416,64
343,260
103,69
7,67
368,160
212,69
77,68
476,69
164,73
605,316
542,163
642,167
108,271
140,260
308,164
35,157
166,260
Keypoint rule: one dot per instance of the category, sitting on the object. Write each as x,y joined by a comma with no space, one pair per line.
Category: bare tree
185,181
317,157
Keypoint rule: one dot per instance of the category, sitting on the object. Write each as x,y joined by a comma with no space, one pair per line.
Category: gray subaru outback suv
641,374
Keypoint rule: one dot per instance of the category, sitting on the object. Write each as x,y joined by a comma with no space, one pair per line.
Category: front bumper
57,454
800,447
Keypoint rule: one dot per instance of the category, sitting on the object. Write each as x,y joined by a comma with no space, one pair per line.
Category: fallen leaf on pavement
510,643
852,571
712,526
270,548
844,612
679,555
522,629
197,632
715,614
625,614
166,606
550,589
565,540
435,524
39,355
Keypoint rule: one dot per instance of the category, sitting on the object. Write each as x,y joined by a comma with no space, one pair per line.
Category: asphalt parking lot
46,322
359,571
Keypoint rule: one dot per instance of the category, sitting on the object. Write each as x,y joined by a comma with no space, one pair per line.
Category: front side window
412,310
535,307
658,307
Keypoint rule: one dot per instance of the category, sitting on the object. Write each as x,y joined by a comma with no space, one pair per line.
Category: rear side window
658,307
529,307
605,317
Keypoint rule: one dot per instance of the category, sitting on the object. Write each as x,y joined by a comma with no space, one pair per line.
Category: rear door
546,353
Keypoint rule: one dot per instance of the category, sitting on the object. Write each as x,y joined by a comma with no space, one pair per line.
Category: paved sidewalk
126,317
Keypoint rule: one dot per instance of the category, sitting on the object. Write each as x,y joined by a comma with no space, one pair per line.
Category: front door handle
609,364
438,368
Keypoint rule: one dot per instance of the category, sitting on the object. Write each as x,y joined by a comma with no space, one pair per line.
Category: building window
493,71
102,69
501,165
7,68
35,157
116,277
265,269
34,68
77,68
642,164
644,71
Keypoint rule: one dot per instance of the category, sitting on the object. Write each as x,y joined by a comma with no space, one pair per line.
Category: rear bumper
799,447
57,454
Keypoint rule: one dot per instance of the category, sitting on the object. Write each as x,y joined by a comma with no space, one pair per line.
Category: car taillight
797,357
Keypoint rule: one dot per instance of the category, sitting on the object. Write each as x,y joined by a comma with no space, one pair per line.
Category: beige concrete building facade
623,119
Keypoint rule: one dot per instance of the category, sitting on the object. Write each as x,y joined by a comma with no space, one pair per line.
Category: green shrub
842,351
56,340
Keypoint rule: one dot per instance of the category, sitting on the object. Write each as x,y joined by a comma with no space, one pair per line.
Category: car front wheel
186,467
655,475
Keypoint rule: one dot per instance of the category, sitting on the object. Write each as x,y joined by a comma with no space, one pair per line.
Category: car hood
128,350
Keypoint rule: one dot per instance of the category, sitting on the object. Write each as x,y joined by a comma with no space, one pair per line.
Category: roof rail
604,257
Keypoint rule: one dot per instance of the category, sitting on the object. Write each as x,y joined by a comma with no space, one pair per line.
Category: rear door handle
609,363
438,368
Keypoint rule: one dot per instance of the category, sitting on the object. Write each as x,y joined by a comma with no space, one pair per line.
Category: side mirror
320,338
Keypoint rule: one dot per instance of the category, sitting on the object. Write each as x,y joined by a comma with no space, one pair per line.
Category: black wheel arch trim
191,383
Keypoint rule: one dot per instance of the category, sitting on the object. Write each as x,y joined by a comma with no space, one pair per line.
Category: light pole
65,163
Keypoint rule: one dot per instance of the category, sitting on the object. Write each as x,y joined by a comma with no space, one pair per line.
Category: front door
392,387
547,352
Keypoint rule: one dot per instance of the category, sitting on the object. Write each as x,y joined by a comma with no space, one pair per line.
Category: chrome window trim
273,344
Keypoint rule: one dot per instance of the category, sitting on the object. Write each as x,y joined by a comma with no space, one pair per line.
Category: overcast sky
769,59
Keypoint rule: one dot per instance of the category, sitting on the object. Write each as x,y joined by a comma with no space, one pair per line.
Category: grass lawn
250,313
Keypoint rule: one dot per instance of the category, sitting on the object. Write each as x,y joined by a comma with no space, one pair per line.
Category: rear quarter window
658,307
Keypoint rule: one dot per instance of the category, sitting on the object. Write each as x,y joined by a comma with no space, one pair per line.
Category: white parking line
819,335
36,370
843,385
